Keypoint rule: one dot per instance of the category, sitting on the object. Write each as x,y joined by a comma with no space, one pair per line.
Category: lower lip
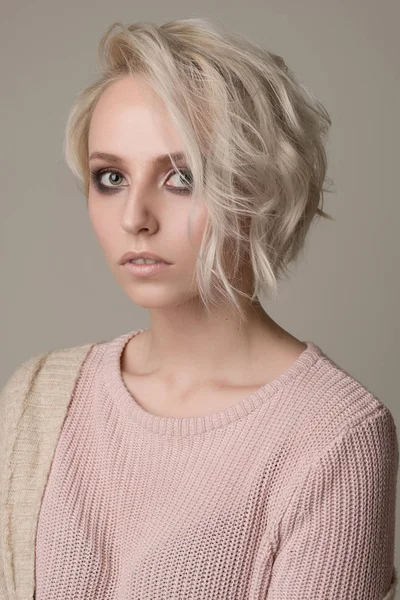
146,270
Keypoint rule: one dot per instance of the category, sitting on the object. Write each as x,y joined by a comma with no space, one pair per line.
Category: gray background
56,288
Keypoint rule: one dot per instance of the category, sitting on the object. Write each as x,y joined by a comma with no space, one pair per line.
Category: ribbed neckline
188,426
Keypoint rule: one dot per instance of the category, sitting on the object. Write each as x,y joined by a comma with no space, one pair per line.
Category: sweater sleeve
12,395
336,539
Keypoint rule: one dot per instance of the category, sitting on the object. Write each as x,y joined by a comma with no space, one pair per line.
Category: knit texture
288,494
33,405
305,511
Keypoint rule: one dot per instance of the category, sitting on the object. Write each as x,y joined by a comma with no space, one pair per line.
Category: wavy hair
254,139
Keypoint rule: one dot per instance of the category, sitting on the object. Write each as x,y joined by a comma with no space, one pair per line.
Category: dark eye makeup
97,175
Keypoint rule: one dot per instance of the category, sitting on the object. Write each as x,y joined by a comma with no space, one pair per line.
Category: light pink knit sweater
288,494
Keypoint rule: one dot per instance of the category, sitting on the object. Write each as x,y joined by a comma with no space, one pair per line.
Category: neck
201,350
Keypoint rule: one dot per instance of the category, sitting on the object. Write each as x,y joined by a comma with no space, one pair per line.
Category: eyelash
103,189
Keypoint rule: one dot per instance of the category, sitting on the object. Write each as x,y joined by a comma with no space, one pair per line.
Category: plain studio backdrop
56,289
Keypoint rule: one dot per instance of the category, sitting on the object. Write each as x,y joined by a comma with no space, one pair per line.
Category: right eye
98,179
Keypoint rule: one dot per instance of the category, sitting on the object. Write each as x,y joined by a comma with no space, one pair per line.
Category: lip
145,270
132,254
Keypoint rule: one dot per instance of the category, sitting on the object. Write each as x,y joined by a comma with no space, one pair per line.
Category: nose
137,211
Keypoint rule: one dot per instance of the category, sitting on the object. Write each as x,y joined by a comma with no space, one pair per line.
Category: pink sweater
288,494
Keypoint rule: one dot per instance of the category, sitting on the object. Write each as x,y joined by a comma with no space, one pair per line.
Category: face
137,203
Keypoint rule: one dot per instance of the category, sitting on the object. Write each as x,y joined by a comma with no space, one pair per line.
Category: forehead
130,119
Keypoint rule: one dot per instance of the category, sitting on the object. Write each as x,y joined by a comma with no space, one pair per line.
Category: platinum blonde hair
254,139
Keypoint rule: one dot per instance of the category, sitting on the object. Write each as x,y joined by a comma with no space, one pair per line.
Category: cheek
199,224
102,226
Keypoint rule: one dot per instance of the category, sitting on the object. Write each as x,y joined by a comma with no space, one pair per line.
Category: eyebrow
158,160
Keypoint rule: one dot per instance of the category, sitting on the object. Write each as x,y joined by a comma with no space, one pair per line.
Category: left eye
184,176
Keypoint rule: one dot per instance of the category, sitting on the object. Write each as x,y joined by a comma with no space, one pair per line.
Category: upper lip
130,255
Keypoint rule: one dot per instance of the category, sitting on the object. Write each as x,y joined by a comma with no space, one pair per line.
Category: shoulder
332,403
41,383
342,439
59,363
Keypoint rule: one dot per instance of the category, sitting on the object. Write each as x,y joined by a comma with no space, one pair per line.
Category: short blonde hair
254,139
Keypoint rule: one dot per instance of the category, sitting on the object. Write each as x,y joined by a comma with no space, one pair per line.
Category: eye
114,176
98,178
102,177
183,176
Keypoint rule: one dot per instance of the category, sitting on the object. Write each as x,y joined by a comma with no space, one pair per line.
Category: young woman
213,455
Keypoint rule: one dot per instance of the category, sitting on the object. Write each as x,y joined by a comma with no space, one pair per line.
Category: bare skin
174,395
185,364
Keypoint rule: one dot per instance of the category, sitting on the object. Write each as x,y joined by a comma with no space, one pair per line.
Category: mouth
145,269
140,257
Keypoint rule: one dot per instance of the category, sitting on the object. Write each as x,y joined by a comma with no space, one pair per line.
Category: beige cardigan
33,406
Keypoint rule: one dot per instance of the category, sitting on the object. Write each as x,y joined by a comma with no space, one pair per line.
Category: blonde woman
214,455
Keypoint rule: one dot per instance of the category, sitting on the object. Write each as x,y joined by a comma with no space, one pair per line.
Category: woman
213,455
